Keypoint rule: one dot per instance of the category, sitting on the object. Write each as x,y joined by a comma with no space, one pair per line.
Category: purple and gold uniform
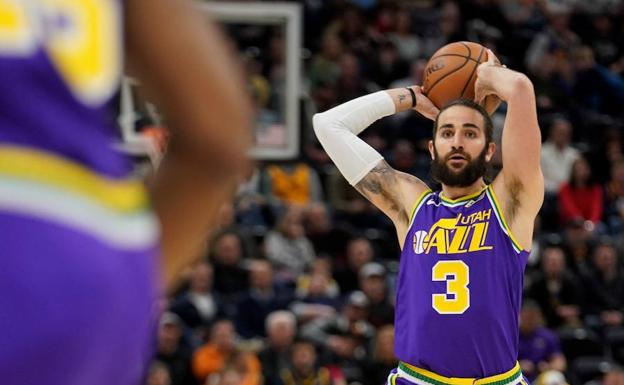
459,294
79,242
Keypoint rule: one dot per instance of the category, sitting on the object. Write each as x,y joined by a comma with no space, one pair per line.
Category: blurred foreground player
464,248
80,245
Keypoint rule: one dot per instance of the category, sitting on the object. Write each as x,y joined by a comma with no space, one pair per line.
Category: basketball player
464,247
79,277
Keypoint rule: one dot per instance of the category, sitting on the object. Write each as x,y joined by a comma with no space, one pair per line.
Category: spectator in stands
447,28
327,239
403,158
557,155
351,207
221,353
316,293
281,327
158,374
351,84
251,206
173,352
382,359
605,287
352,29
556,290
615,376
555,42
408,44
359,253
230,277
612,375
304,368
231,375
287,247
595,87
262,298
388,65
580,198
615,197
373,285
345,336
325,67
291,184
538,349
198,306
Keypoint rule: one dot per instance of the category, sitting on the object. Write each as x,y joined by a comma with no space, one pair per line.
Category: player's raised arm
520,185
183,62
391,191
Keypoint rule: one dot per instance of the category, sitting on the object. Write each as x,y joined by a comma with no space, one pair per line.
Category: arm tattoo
378,185
401,98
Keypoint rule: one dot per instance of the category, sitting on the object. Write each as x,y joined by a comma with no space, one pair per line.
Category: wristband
413,96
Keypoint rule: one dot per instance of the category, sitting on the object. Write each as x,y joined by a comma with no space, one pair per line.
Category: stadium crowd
296,286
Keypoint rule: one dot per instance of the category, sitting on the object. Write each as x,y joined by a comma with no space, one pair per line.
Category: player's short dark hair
489,126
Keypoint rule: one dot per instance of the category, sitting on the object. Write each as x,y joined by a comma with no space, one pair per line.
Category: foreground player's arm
183,62
393,192
520,184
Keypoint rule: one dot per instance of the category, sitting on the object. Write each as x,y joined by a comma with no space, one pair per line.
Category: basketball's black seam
447,74
472,73
454,54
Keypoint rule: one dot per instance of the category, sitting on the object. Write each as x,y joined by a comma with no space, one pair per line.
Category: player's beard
441,172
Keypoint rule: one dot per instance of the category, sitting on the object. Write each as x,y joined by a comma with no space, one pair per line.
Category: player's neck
458,192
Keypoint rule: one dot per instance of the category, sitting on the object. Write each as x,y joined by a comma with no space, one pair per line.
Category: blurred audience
281,328
221,353
539,350
325,244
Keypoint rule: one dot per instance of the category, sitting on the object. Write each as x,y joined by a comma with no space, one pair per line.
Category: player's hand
485,94
424,106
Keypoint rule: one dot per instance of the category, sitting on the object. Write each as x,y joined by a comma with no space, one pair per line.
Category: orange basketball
451,72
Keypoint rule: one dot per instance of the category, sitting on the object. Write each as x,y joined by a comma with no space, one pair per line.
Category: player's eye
447,134
471,134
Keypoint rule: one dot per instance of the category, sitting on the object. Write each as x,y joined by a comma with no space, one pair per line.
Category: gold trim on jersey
461,199
419,376
499,214
26,164
418,203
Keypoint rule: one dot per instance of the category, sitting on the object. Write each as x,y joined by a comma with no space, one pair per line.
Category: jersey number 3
456,274
81,38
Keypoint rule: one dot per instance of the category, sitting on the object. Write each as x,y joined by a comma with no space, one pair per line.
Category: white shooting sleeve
337,130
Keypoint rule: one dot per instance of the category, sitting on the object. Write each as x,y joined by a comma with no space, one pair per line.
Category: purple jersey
78,237
60,65
459,288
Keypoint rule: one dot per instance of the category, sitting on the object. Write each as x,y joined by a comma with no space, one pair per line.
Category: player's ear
490,151
431,150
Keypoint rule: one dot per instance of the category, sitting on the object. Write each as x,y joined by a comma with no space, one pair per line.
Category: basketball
451,72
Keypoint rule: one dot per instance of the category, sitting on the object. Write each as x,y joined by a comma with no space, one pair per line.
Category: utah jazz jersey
79,241
60,64
459,288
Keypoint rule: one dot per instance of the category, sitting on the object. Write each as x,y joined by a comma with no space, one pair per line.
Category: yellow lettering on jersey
87,53
449,235
83,40
439,240
457,277
458,240
479,232
17,29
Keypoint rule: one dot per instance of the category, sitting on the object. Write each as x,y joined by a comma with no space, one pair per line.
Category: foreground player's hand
485,95
424,106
